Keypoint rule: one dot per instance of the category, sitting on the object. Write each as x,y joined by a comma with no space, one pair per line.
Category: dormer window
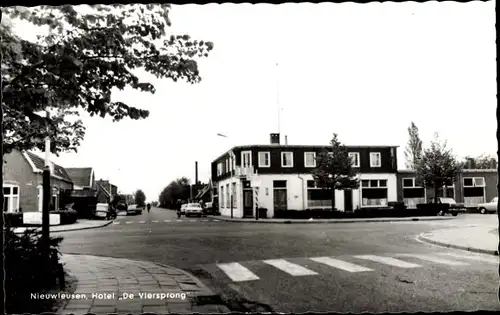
286,159
375,159
355,158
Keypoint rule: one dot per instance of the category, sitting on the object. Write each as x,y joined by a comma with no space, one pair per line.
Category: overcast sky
364,71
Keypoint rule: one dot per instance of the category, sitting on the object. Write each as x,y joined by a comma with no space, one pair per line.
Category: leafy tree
176,190
335,170
480,162
140,198
438,167
413,150
88,52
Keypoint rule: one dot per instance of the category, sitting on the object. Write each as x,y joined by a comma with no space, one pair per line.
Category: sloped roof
81,176
40,163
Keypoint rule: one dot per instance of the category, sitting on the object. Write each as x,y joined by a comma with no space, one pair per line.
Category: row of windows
264,160
467,182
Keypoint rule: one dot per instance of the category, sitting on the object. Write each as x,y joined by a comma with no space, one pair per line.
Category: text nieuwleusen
108,296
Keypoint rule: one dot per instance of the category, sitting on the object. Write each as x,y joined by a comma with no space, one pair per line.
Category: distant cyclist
149,207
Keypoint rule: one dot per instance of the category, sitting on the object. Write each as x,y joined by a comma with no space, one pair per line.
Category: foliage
88,52
334,169
25,273
480,162
177,190
140,198
413,150
438,167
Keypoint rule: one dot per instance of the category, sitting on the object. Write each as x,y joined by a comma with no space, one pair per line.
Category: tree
413,150
140,198
88,52
480,162
335,170
176,190
437,167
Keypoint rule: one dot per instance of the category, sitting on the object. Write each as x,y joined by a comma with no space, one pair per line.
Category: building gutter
303,195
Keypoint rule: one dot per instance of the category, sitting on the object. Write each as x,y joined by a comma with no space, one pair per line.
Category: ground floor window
449,190
222,204
11,198
234,194
317,196
412,194
374,192
228,198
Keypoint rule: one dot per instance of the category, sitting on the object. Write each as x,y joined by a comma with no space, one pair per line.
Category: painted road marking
473,257
340,264
128,222
435,259
116,222
237,272
155,221
204,220
388,261
288,267
192,220
216,220
178,220
142,221
167,220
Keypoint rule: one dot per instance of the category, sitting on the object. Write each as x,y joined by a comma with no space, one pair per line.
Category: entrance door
247,203
280,198
348,200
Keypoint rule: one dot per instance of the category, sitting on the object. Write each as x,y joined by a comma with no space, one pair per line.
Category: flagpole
278,97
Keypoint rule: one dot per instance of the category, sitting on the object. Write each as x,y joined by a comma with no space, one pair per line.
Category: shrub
25,271
262,213
13,219
67,216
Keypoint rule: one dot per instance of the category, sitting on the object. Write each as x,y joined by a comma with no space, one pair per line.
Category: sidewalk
252,220
81,224
479,239
106,285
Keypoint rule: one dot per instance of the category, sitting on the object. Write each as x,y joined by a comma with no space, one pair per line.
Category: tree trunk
436,189
333,198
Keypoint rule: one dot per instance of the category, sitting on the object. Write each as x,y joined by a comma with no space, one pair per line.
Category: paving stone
73,311
154,302
103,309
189,287
167,282
155,309
75,306
206,309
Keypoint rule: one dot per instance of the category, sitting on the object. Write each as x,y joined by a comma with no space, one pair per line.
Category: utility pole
46,201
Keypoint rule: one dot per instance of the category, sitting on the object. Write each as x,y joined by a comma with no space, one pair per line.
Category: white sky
364,71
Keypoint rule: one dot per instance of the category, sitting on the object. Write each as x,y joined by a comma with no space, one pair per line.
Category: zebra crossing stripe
192,220
436,259
155,221
288,267
237,272
128,222
344,265
167,220
388,261
116,222
142,221
473,257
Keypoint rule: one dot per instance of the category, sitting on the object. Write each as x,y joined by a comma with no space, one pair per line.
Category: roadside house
82,177
23,179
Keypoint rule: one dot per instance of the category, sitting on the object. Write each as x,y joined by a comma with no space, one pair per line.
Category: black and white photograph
219,158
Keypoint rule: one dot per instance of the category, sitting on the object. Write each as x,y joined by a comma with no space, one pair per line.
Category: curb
75,229
422,238
339,221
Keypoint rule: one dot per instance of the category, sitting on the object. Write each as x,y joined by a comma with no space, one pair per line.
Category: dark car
453,207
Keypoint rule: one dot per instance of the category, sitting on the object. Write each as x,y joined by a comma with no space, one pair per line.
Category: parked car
453,207
134,209
193,209
489,207
183,209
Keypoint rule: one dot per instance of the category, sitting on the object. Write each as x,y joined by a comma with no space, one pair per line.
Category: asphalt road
206,248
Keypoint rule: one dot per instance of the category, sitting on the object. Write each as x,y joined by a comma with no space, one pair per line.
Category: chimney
470,161
196,173
275,138
286,140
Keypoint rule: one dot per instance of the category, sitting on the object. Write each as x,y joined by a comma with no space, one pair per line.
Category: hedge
13,219
25,272
360,213
67,216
